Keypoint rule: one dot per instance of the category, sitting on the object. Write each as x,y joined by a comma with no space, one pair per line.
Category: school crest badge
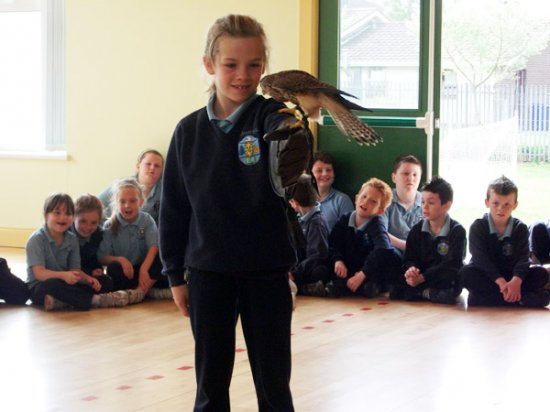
507,249
249,150
443,248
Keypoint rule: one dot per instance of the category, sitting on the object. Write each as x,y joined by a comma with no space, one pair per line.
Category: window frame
53,78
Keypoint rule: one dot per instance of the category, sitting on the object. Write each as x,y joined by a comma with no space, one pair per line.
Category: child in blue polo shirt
436,247
405,209
53,259
333,203
129,247
499,272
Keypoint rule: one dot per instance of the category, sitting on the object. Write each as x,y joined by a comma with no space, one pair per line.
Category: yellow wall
133,69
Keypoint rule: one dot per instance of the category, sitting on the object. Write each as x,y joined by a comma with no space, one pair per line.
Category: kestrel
309,94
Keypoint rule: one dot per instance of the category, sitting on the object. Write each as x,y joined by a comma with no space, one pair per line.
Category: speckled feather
310,94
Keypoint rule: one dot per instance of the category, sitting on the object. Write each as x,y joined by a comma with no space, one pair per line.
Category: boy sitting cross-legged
436,247
360,249
499,273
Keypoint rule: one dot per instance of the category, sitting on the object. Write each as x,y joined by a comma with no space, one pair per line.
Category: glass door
386,53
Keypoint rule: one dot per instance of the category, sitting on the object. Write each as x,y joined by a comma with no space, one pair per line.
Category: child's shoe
116,299
160,293
369,289
336,288
536,299
51,303
135,296
444,296
314,289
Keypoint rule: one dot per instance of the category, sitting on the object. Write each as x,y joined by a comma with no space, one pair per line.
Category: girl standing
221,219
53,260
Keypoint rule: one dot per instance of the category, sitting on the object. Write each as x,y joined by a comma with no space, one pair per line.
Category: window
380,52
31,76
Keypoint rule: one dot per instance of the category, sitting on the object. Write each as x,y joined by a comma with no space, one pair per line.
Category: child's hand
356,280
94,283
340,269
413,277
97,272
511,291
71,277
145,282
127,267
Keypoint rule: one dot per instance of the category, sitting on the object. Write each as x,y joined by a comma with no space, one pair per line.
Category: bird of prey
309,94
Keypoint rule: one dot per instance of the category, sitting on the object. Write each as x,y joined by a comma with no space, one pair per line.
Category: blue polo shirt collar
351,222
66,243
315,209
226,124
444,230
493,230
417,199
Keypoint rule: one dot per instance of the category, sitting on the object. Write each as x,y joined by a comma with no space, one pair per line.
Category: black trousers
444,279
264,304
539,237
121,282
12,289
78,296
487,292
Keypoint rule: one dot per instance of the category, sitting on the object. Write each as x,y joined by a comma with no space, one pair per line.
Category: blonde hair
382,187
233,25
118,186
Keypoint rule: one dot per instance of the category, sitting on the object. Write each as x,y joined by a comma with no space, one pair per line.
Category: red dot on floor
328,321
348,314
123,388
185,368
240,350
308,327
365,308
384,302
155,377
90,398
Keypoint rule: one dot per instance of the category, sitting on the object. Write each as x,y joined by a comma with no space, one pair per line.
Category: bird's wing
349,124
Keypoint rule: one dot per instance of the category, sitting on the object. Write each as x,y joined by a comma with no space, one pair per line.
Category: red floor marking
366,308
328,321
384,302
90,398
155,377
184,368
240,350
347,314
308,327
123,388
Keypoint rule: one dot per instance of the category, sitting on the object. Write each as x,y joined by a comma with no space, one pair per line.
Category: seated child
539,242
88,214
334,203
360,249
12,289
53,259
129,247
499,272
405,209
149,175
436,247
310,272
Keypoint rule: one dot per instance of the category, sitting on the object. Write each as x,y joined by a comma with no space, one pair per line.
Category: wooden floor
349,354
